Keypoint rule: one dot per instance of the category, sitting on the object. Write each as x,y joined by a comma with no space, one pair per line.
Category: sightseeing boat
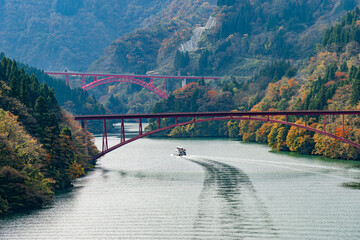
180,151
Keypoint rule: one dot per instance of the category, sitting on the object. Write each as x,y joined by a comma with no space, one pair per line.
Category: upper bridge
91,80
180,119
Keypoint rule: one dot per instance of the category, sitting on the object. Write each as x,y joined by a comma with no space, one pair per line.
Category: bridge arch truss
214,116
146,81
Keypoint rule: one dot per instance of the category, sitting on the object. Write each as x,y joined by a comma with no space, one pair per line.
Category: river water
223,189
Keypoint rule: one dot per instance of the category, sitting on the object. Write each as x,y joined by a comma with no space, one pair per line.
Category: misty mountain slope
60,34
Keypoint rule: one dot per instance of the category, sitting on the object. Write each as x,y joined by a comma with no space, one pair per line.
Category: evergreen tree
67,132
178,60
203,61
186,59
14,70
24,93
352,73
181,60
355,89
51,100
193,102
338,36
14,87
3,63
44,90
344,67
53,124
201,81
42,115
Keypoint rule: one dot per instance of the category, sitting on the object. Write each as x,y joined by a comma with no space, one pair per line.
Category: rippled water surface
222,190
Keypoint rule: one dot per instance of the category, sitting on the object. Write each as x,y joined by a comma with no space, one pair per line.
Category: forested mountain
144,50
59,34
247,35
219,38
41,147
267,30
151,47
330,79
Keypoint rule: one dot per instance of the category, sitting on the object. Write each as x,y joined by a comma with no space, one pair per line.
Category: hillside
75,100
59,34
41,148
330,79
219,38
150,47
244,37
144,50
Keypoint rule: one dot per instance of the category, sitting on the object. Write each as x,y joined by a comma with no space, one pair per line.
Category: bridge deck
130,75
216,114
198,117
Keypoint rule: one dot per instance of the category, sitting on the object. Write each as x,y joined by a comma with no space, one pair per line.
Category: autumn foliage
41,148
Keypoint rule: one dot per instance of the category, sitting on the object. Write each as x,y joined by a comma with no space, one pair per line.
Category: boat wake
228,204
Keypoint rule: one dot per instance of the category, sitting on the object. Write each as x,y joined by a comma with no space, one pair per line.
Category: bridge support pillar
83,81
140,127
68,83
324,123
122,137
167,87
105,145
183,83
343,125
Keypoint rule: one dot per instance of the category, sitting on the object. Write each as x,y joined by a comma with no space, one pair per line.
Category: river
223,189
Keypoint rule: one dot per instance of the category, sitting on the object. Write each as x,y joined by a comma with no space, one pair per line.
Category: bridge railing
147,81
181,119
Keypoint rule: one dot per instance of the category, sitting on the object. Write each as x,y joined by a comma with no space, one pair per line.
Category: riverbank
42,149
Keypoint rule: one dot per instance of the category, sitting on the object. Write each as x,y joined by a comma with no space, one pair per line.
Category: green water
223,189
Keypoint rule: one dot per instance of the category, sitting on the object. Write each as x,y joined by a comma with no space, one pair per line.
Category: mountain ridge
59,34
271,32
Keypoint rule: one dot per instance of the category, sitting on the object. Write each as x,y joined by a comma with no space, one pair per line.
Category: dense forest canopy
42,149
69,34
74,100
330,79
245,30
241,38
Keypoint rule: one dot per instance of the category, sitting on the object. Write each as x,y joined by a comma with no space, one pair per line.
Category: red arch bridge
146,81
181,119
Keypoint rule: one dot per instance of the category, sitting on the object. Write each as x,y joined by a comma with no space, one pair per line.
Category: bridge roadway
197,117
146,81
